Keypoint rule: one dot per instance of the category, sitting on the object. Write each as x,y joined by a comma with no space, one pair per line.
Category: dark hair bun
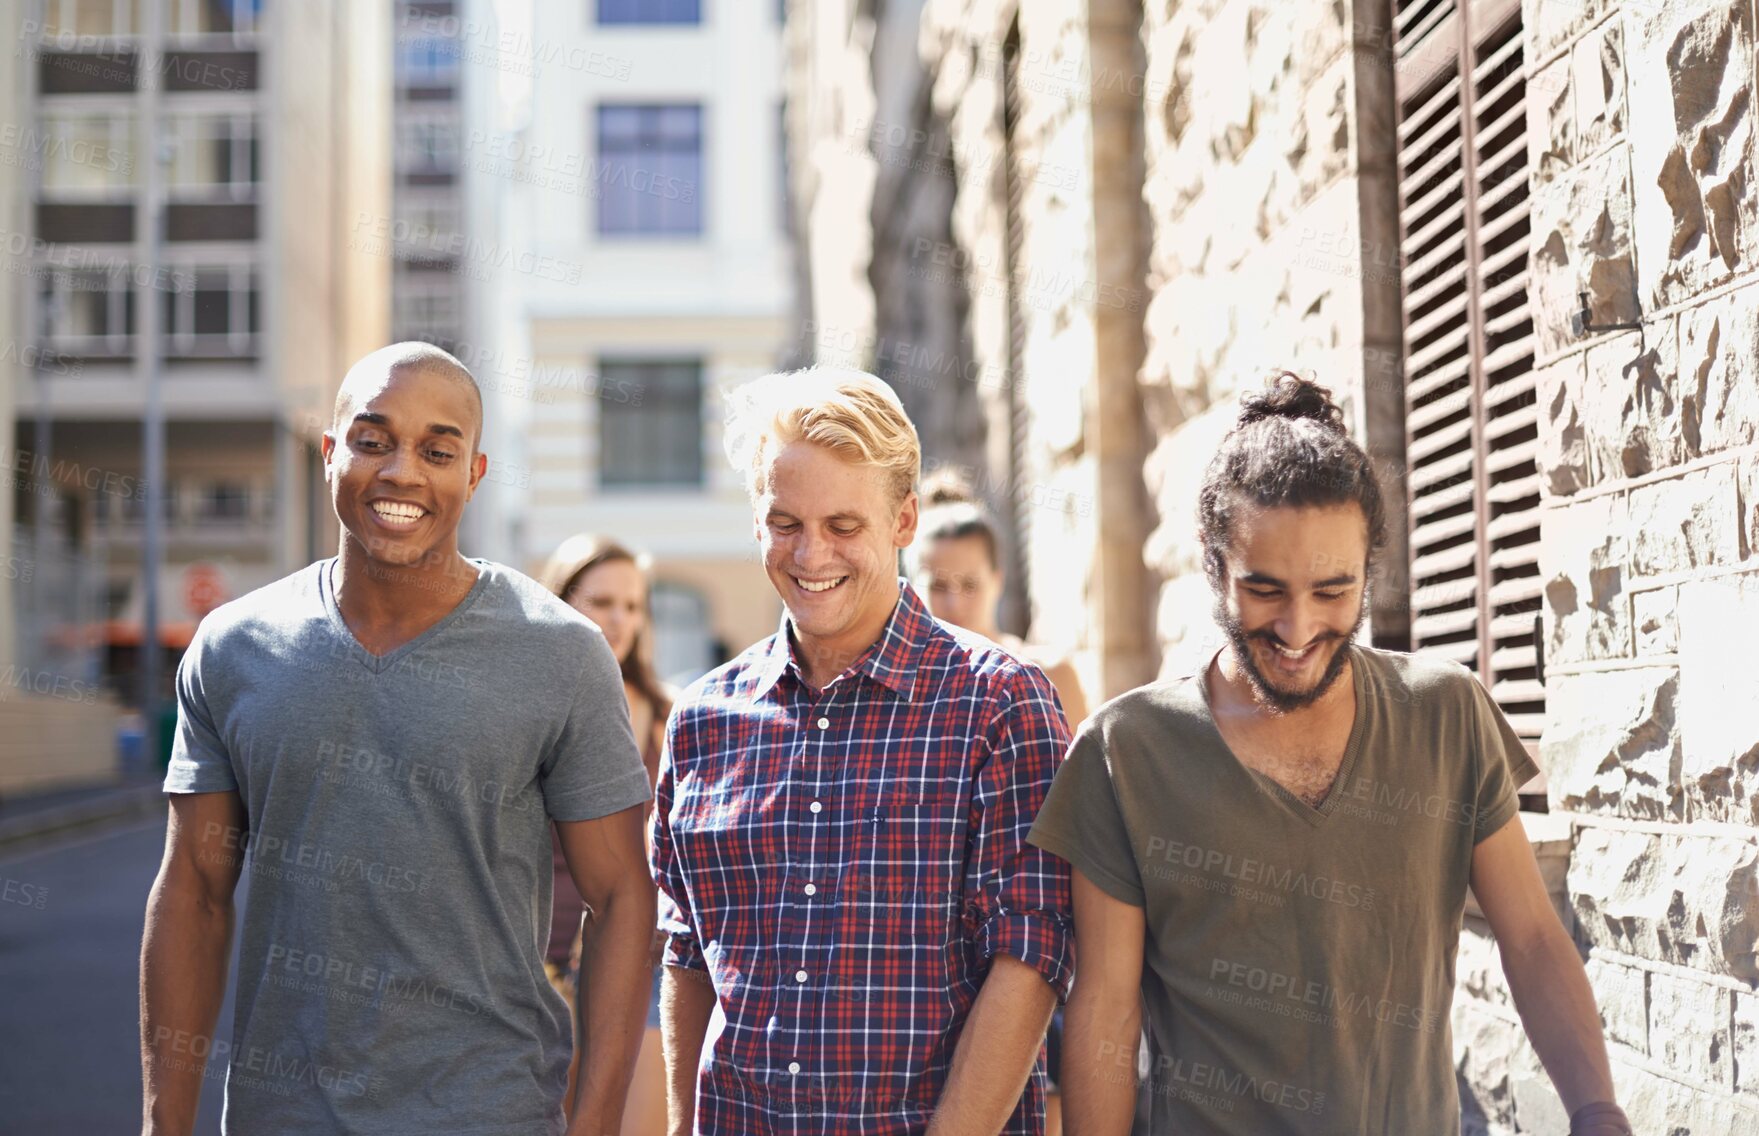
946,486
1291,396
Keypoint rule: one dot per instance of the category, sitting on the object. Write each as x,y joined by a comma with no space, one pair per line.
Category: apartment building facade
201,161
646,205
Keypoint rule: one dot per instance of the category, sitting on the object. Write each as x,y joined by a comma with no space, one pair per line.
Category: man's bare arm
996,1049
184,955
608,861
687,1002
1103,1025
1544,969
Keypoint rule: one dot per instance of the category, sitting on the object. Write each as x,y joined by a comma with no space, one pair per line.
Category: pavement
31,818
71,909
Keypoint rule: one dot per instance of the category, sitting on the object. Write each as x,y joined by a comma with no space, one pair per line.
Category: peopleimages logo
47,683
1253,872
78,151
341,975
1307,1000
275,857
194,1050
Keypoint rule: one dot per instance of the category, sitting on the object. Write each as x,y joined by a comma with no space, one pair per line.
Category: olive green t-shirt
1299,963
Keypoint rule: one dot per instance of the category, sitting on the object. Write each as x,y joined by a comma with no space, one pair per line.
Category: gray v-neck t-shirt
390,972
1298,967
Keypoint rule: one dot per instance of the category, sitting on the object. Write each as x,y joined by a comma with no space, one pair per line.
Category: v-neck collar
1270,786
379,664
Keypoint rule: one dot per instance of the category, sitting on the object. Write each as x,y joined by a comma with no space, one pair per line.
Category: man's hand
185,951
1544,970
608,861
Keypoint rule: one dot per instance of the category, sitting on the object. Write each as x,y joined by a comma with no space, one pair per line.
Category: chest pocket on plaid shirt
910,855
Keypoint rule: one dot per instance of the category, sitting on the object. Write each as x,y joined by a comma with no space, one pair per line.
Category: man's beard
1282,701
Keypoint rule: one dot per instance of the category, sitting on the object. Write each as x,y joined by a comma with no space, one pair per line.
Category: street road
70,928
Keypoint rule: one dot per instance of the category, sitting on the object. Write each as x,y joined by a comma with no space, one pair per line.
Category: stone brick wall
1056,309
1639,123
1270,187
1017,357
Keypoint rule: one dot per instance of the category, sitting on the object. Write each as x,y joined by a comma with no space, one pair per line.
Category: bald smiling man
382,740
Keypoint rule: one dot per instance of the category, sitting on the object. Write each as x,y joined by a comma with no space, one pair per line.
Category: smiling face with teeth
830,532
401,462
1292,597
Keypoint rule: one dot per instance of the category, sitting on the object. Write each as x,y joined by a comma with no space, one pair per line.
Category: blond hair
850,412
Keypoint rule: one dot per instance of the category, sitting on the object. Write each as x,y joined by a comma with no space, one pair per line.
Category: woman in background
607,583
959,573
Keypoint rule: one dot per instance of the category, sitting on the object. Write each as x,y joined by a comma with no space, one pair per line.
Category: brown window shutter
1471,411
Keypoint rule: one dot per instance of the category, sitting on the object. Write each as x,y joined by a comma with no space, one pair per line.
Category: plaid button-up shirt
844,863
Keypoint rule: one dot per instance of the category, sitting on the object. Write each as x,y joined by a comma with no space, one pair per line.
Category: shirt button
800,976
816,807
811,890
793,1066
824,723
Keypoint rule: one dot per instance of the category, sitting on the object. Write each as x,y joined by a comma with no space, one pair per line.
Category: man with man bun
1272,854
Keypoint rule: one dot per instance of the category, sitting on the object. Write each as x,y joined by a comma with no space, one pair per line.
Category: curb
112,807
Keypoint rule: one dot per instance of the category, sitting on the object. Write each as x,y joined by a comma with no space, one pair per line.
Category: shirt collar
891,661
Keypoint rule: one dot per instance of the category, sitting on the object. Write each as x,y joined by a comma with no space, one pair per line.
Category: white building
646,215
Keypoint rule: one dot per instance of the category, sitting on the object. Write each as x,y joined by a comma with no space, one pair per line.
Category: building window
684,642
68,18
214,312
428,307
427,61
650,11
86,312
1471,412
214,156
214,17
223,503
428,148
427,225
649,170
87,155
131,508
650,422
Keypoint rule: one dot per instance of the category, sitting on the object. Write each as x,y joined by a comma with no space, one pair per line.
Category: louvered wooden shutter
1471,414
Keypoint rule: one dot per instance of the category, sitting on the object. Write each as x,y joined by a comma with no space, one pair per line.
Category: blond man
839,834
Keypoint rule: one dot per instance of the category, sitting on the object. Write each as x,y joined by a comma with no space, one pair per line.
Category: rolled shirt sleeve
1017,897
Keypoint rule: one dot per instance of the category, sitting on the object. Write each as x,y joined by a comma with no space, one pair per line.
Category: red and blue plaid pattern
843,864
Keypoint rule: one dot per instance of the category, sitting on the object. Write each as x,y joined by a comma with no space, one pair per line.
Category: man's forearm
1556,1005
996,1050
616,972
687,1002
1101,1035
185,951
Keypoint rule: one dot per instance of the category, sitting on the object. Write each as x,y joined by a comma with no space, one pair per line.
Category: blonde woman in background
607,583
